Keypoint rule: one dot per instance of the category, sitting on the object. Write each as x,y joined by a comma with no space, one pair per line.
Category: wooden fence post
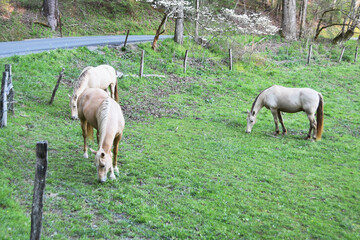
356,54
230,60
185,60
309,54
342,53
10,89
142,64
57,86
39,187
126,38
3,100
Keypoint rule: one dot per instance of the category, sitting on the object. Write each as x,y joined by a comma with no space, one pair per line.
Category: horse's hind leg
282,122
84,132
115,152
275,115
112,91
312,126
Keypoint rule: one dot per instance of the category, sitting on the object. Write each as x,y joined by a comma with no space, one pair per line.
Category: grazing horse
101,77
97,110
282,99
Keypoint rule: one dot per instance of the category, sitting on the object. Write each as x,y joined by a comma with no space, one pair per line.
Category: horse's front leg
84,132
275,115
115,152
282,122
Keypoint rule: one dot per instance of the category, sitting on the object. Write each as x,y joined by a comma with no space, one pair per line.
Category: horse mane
81,78
253,105
102,117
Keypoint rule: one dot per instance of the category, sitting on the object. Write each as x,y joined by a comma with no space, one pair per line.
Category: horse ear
93,151
69,95
247,111
75,96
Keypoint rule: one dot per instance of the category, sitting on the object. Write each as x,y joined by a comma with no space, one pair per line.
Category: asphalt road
8,49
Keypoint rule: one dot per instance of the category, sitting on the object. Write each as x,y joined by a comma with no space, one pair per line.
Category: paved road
8,49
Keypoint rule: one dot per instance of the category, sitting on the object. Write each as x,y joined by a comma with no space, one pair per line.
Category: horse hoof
112,176
86,155
116,169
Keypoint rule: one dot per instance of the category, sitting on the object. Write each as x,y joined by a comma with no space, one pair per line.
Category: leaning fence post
127,34
142,64
230,60
309,54
342,53
185,60
57,86
39,187
3,100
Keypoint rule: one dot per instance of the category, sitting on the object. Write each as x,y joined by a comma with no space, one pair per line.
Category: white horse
282,99
101,77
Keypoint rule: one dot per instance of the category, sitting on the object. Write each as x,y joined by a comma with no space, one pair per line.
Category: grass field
188,169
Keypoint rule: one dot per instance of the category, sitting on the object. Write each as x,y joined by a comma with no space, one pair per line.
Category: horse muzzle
248,131
102,180
74,117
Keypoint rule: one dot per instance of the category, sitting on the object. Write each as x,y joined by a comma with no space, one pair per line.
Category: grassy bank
188,170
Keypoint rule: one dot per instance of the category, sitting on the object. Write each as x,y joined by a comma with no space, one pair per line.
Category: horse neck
258,103
81,85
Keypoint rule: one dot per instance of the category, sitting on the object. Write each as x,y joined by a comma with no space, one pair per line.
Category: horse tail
320,117
90,131
116,92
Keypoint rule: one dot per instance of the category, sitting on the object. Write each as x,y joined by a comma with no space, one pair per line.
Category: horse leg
312,126
275,115
84,131
115,152
112,90
282,122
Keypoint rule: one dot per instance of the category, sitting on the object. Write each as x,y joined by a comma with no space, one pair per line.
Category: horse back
101,76
292,99
88,104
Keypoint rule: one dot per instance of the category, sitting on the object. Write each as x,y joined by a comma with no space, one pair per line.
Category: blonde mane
102,117
81,78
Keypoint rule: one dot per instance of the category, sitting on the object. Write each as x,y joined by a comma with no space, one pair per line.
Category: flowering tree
214,23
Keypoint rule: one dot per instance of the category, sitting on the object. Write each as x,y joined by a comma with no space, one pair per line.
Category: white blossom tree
213,23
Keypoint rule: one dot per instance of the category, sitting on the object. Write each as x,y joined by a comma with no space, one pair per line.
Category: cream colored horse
101,77
282,99
97,110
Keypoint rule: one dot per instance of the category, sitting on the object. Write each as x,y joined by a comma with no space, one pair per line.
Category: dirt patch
154,102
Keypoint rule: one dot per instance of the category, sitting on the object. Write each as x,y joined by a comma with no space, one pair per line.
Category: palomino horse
101,77
281,99
97,110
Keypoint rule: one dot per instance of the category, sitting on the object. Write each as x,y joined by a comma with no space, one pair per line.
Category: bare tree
196,35
288,23
51,12
303,12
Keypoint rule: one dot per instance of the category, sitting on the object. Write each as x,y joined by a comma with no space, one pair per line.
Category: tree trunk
303,18
159,31
51,12
179,25
196,37
288,24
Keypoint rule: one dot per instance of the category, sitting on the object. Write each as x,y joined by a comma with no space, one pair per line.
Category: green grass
188,170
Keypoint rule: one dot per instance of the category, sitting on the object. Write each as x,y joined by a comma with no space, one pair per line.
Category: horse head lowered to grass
282,99
97,110
101,77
